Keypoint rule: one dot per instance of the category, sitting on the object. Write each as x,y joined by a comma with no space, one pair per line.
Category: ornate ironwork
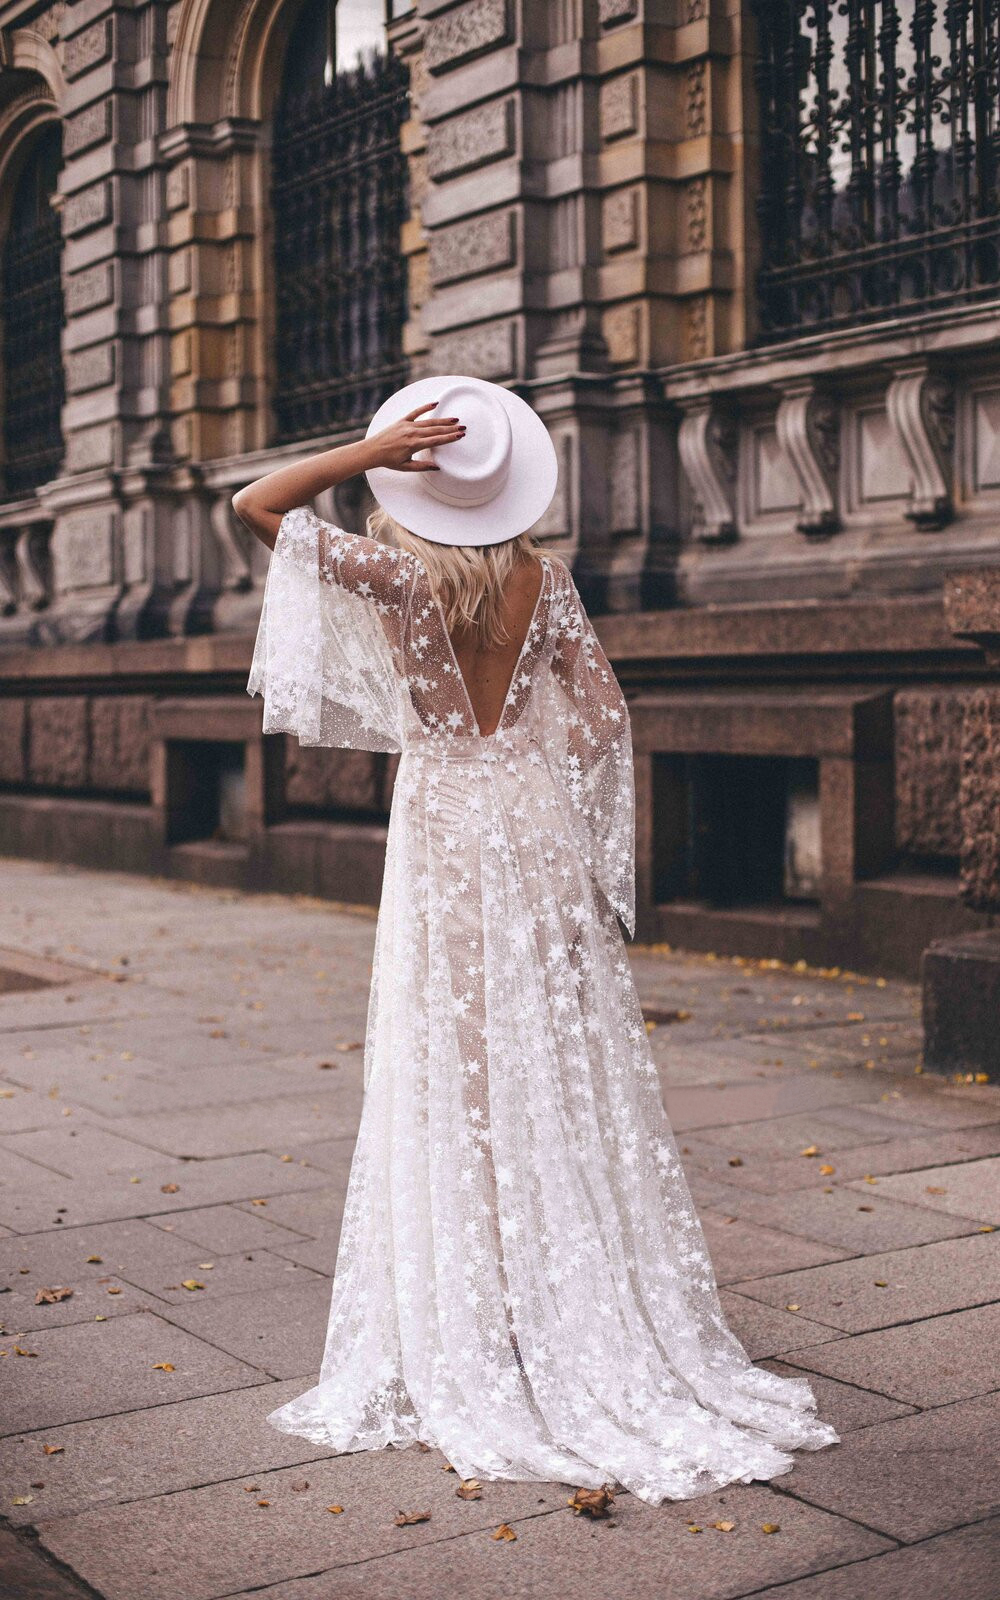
339,197
33,389
880,155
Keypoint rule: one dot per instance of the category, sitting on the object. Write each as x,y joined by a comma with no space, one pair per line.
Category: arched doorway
31,336
338,195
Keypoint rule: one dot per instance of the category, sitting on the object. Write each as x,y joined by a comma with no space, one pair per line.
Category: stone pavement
181,1084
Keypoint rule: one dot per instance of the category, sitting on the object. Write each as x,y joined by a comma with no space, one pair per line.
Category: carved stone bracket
808,428
34,569
921,408
707,446
236,570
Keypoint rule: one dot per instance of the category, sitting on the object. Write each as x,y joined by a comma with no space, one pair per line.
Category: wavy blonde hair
469,580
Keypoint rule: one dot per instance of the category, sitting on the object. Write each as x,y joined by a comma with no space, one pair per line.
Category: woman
521,1279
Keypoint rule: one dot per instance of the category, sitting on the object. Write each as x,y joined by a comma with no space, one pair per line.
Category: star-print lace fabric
522,1280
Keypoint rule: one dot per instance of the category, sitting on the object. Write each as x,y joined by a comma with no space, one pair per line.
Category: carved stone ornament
920,407
808,428
236,572
34,571
707,445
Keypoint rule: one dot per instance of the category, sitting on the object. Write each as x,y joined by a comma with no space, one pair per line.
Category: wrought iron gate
339,198
33,389
880,154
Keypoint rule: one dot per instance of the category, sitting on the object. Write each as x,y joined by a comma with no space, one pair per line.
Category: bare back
487,673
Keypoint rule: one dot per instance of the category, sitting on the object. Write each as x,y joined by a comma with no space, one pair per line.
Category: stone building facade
755,296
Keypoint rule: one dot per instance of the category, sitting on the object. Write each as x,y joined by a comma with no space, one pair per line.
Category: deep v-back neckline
477,731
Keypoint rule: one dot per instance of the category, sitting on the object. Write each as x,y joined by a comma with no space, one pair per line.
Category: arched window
338,203
31,345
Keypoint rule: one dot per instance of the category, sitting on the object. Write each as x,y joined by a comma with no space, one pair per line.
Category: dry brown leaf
258,1202
114,1290
827,1171
51,1297
335,1509
810,1150
191,1283
404,1518
23,1499
251,1488
348,1044
471,1489
593,1502
263,1502
447,1467
95,1258
170,1188
693,1527
880,1283
771,1527
736,1161
505,1531
866,1208
163,1366
935,1188
793,1305
53,1449
724,1527
18,1351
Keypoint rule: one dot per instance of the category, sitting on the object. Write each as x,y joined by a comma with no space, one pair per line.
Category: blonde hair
469,580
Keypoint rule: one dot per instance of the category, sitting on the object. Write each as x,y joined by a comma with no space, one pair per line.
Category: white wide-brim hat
492,484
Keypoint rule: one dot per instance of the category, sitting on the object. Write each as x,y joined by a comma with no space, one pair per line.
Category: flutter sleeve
588,737
326,654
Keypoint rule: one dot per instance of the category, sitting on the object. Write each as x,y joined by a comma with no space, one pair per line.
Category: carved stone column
921,408
961,976
808,428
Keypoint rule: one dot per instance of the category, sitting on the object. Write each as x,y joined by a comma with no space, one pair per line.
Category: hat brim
526,495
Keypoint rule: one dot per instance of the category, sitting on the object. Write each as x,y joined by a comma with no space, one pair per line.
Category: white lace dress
521,1280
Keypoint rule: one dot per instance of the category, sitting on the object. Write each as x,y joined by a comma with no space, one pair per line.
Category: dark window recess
339,200
880,153
208,791
32,322
736,830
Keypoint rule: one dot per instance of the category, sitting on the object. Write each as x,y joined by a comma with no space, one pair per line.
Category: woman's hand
396,445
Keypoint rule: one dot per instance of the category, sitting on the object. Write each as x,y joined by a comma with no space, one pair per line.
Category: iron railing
339,198
880,155
32,318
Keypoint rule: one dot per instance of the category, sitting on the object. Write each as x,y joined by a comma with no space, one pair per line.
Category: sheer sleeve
326,656
589,739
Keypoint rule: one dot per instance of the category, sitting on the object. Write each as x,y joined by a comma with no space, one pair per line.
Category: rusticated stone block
972,603
471,139
120,743
13,725
928,736
322,779
470,29
88,48
482,244
58,741
980,801
486,351
90,126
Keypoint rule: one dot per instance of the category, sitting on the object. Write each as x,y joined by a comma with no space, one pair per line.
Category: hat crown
474,469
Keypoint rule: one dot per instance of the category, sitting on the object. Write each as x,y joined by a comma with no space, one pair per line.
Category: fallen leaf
191,1283
335,1509
95,1258
866,1208
170,1188
810,1150
693,1527
934,1188
880,1283
258,1202
505,1531
263,1502
793,1305
592,1502
251,1488
724,1527
23,1499
471,1489
447,1467
53,1449
163,1366
404,1518
736,1161
771,1527
51,1297
18,1351
348,1044
827,1171
114,1291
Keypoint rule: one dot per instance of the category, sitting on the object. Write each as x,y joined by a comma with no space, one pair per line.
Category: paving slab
107,1296
897,1286
645,1550
240,1273
281,1331
23,1110
856,1221
181,1444
742,1249
844,1405
310,1212
214,1542
913,1477
284,1123
225,1228
929,1363
735,1104
968,1189
764,1330
83,1150
26,1574
787,1136
953,1566
92,1369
